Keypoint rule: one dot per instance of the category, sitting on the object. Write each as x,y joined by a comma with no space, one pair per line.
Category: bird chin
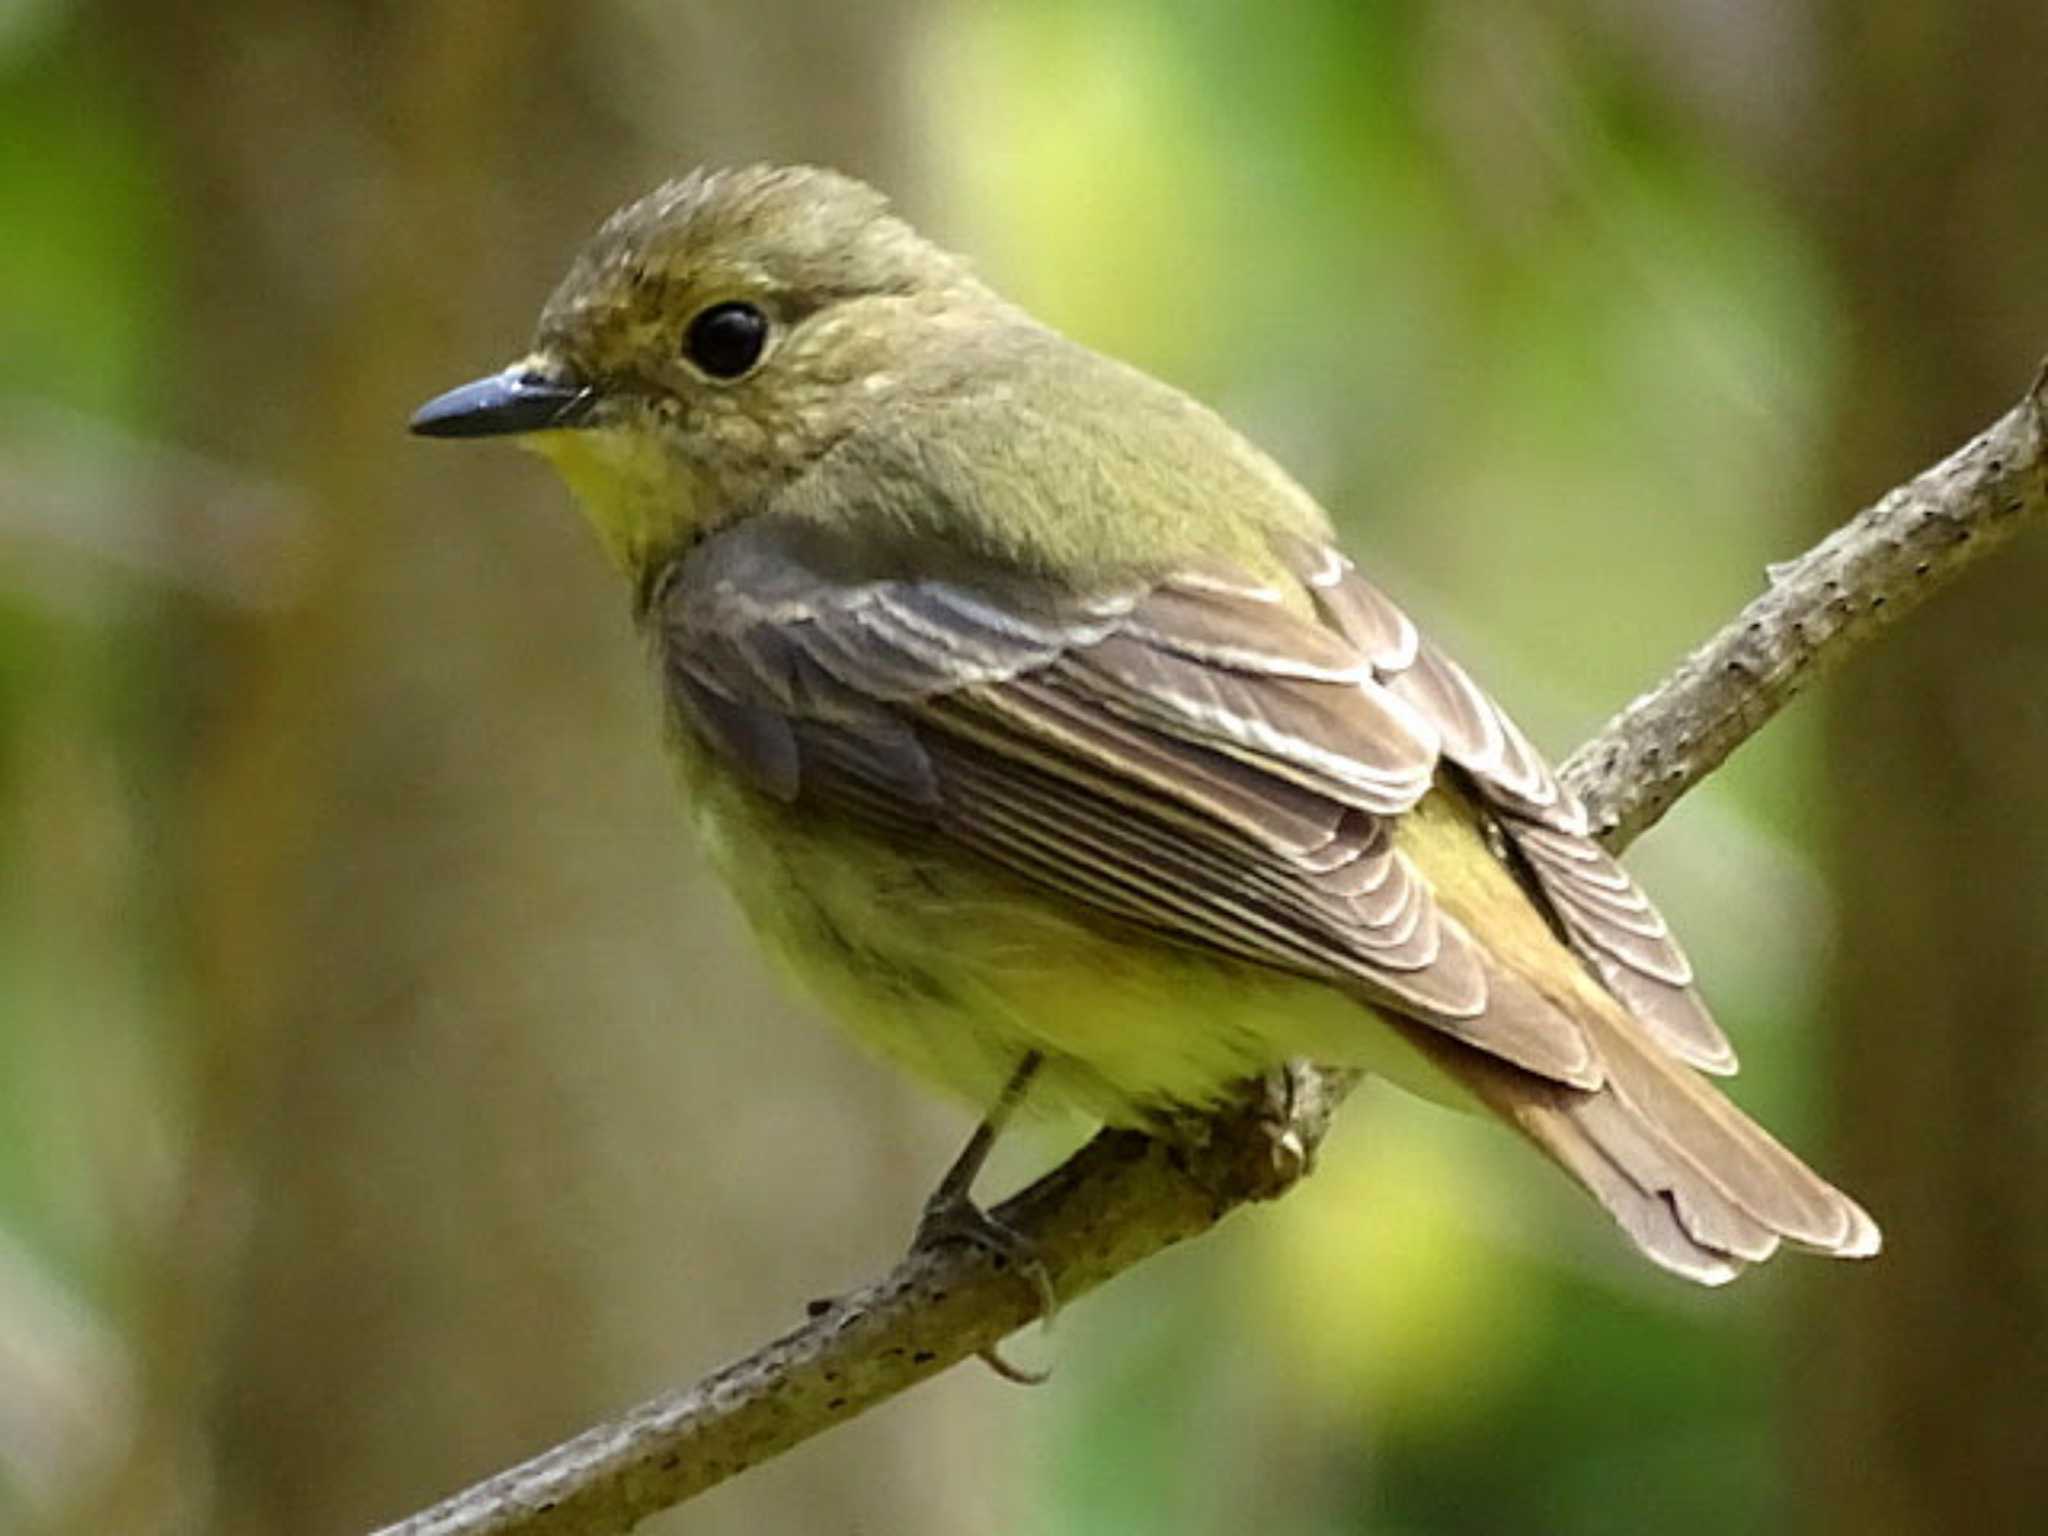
635,496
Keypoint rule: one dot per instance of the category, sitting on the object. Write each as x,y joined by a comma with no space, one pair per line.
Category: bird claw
1293,1160
950,1218
1016,1374
954,1218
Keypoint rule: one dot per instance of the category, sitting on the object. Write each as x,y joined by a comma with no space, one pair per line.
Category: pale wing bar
1602,912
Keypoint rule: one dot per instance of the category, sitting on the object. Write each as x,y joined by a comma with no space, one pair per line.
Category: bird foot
950,1217
1284,1088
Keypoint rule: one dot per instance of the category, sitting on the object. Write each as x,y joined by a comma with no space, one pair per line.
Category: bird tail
1697,1185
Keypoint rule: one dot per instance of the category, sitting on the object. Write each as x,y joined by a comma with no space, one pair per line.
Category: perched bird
1045,735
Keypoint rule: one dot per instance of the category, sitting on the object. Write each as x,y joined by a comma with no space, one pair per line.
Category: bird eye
726,339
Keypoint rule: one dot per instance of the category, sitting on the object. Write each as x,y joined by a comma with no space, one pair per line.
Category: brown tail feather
1698,1186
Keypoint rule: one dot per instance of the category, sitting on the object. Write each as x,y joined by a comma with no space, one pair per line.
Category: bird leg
951,1216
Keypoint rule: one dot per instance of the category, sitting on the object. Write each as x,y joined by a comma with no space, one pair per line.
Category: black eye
726,339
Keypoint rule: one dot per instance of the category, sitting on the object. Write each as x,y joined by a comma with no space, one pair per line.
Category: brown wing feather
1602,912
1197,757
1195,753
1699,1186
1378,932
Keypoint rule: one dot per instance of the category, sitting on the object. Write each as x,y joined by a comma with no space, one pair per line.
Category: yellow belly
955,969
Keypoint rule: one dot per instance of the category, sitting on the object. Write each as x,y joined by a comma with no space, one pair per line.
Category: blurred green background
384,1094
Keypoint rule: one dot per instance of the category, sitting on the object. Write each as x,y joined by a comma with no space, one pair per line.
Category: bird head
713,340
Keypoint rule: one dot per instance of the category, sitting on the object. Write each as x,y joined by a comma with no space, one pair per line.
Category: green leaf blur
385,1091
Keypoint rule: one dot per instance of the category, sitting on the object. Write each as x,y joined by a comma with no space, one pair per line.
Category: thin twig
1123,1197
1817,611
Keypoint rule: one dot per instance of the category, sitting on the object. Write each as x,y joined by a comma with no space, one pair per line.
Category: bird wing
1195,754
1189,752
1595,903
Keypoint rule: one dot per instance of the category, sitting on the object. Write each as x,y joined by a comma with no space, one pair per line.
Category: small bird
1045,735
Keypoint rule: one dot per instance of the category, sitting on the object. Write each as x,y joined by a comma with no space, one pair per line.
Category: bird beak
524,398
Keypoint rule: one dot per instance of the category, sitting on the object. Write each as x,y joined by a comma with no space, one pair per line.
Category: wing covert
1191,753
1597,905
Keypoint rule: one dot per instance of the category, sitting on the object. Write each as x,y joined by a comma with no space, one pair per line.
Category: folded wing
1206,756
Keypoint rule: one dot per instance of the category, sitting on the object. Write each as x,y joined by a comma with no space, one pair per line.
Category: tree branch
1124,1196
1817,611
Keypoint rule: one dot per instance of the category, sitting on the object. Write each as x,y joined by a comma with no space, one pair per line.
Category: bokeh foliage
382,1090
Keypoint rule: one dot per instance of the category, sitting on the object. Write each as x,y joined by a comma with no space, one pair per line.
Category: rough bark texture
1118,1201
1818,610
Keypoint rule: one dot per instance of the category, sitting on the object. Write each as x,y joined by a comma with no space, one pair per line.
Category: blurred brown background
383,1092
